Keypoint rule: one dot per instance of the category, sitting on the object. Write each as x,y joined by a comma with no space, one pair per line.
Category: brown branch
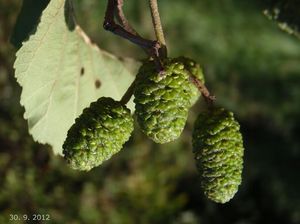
202,89
158,27
154,51
128,94
122,18
110,25
125,31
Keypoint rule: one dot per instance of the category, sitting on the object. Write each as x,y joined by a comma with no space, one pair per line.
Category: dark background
250,65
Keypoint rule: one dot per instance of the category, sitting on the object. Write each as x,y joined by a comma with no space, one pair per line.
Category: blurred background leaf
250,65
286,13
27,20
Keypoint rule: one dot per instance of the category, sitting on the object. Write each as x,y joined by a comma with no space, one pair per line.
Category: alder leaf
61,72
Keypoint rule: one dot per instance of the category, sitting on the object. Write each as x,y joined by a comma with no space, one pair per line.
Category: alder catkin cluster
162,102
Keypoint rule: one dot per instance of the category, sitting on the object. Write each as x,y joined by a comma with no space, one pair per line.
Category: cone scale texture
194,69
218,149
162,101
97,134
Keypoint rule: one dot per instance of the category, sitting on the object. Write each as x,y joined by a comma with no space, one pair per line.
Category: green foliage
218,148
98,133
162,101
61,72
286,13
252,68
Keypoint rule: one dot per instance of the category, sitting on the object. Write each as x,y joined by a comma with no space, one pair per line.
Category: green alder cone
97,134
218,148
194,68
162,101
